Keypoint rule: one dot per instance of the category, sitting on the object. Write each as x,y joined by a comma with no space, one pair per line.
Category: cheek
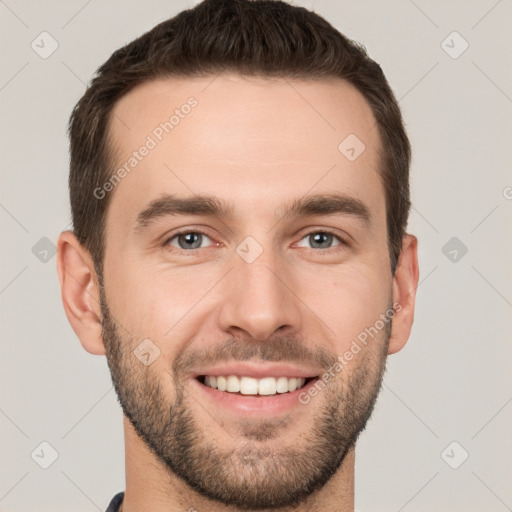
162,304
350,301
156,303
132,297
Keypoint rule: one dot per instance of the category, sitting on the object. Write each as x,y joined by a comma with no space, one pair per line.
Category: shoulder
116,502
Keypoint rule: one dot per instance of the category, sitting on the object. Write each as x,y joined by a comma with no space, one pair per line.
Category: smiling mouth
249,386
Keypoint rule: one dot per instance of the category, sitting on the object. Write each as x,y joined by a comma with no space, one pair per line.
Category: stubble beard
251,475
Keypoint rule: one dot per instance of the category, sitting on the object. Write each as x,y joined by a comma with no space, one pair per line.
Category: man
240,191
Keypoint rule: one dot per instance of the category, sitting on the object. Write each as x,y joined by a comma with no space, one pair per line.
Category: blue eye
191,240
187,240
319,239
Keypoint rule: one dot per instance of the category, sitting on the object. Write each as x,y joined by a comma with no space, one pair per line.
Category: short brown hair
268,38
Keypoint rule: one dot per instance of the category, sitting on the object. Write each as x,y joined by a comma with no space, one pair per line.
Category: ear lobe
405,283
80,292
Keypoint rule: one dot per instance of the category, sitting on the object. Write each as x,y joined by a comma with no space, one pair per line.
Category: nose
258,298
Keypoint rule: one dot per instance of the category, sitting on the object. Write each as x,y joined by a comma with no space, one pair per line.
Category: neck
151,486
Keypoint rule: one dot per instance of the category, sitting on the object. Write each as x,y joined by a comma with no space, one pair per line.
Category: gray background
452,380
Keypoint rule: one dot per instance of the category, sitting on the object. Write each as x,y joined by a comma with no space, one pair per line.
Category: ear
405,283
80,292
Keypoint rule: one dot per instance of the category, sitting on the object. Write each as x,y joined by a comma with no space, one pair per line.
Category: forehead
243,139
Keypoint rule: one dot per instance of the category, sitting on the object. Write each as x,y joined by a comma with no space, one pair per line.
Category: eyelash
342,241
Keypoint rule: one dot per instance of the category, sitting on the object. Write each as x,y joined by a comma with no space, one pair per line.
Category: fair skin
258,145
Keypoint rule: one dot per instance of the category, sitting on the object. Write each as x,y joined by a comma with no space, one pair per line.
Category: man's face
256,293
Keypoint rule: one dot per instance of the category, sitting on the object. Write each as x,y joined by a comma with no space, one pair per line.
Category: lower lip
271,405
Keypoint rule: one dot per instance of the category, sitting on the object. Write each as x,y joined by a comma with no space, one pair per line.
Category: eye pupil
320,237
190,240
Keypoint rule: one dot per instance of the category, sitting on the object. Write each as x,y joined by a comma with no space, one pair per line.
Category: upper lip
258,370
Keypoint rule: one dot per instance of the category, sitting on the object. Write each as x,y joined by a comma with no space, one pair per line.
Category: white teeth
252,386
267,386
248,385
221,383
282,385
210,380
233,384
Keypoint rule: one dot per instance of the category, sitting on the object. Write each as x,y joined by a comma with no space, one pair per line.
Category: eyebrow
201,205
